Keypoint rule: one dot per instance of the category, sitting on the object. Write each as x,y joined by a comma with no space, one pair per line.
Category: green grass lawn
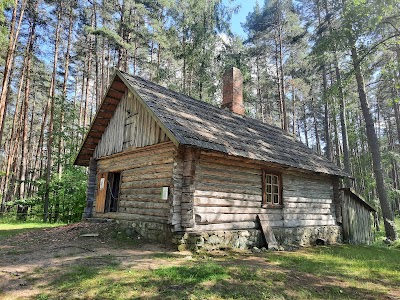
338,272
9,229
326,272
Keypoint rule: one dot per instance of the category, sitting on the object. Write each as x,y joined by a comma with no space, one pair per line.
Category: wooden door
101,192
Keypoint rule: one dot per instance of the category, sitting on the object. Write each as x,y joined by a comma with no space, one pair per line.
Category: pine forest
326,71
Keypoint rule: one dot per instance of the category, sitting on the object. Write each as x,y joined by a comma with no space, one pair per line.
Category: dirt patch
26,256
31,262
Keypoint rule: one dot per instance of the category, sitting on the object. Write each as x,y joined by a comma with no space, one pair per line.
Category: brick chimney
232,91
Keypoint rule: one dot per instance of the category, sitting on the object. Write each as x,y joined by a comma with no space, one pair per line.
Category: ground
98,261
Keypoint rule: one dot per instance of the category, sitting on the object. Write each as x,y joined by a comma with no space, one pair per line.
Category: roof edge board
94,119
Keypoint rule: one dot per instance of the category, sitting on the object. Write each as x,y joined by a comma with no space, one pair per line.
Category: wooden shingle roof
195,123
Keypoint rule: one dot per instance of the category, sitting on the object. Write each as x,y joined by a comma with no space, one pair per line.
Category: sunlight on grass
355,264
9,229
340,272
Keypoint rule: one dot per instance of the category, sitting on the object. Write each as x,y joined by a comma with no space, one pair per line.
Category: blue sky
245,7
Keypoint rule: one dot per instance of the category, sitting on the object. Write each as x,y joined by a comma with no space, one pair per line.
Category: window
108,192
272,189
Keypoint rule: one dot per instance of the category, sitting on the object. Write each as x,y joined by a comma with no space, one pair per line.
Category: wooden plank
205,201
132,217
234,210
228,226
228,218
112,93
140,191
226,195
300,223
267,231
110,100
146,183
144,204
309,217
306,205
215,179
119,86
101,192
307,200
145,176
307,210
229,188
105,114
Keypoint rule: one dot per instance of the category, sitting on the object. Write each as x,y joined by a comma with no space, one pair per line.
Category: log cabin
179,170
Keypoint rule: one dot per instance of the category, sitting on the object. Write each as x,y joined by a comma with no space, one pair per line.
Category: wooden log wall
176,190
131,126
357,221
308,200
228,196
91,189
189,179
144,172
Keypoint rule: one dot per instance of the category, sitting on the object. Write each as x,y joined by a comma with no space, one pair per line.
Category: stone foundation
240,239
151,231
306,236
244,239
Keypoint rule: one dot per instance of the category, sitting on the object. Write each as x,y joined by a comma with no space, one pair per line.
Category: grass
339,272
334,272
9,229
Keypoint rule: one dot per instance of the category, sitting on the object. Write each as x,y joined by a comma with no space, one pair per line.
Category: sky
245,7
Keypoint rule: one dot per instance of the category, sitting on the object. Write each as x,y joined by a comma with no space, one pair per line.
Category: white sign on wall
102,180
164,193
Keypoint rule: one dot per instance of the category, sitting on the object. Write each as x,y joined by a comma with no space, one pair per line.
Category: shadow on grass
369,270
340,272
198,280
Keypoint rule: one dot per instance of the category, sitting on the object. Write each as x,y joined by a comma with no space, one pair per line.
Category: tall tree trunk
12,146
25,116
282,79
328,148
13,38
64,97
342,107
278,82
50,105
373,144
317,140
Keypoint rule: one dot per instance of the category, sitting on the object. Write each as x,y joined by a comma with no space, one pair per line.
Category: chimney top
232,91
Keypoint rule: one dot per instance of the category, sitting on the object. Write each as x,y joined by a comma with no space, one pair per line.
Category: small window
272,189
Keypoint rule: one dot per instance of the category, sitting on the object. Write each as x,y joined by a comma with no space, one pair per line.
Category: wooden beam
115,94
98,127
102,121
108,107
119,86
106,114
110,100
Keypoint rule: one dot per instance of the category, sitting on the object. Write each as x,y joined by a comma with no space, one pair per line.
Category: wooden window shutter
101,192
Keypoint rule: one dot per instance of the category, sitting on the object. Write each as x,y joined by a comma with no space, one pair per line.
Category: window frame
264,203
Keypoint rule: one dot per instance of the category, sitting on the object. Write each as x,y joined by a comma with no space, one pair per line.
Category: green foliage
67,194
67,198
4,5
